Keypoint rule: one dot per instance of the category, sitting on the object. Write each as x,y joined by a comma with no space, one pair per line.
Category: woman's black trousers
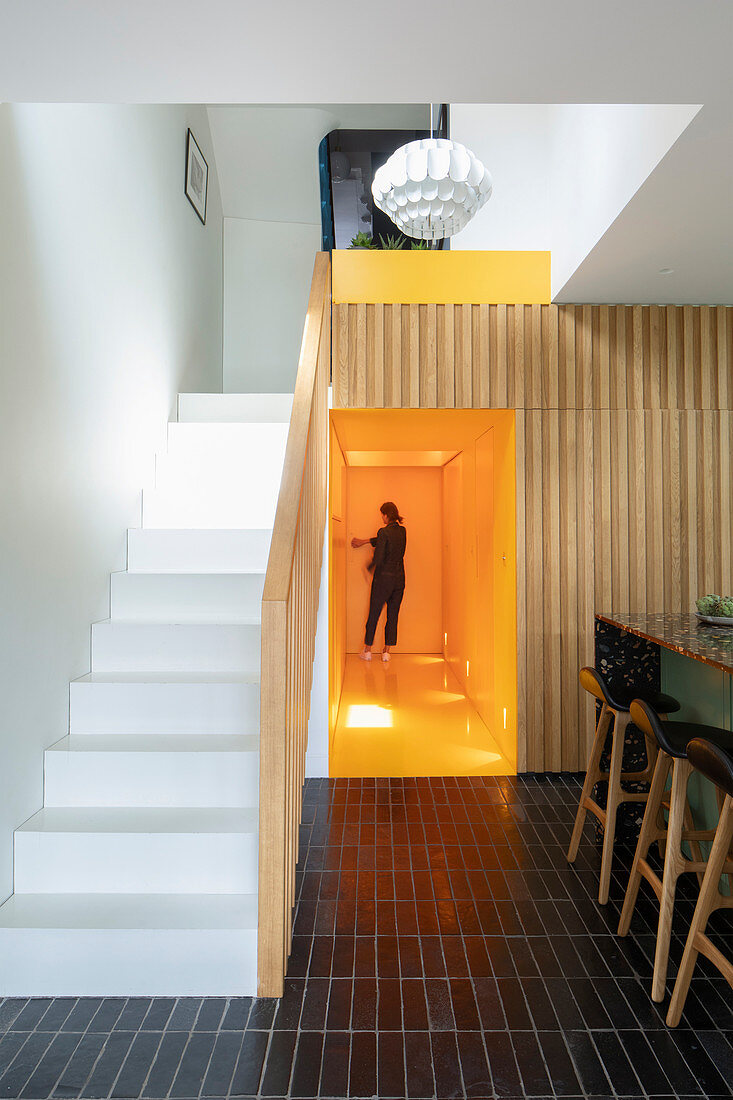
387,590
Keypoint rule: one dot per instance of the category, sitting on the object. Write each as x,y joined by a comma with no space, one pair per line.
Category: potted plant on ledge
390,244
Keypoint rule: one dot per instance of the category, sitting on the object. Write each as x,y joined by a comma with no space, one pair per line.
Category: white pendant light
431,188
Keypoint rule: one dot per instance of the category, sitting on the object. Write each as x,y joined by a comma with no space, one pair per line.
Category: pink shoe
385,657
365,656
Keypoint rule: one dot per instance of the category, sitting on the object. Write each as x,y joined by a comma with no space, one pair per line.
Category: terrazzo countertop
713,645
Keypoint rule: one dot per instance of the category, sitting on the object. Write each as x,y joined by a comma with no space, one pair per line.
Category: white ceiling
513,51
287,51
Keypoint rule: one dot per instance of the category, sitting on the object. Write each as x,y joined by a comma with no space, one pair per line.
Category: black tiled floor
442,948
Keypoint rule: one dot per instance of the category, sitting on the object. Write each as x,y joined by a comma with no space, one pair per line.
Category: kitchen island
680,655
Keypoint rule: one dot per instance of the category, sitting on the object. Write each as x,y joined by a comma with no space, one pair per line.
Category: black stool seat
613,721
674,737
714,761
620,698
716,764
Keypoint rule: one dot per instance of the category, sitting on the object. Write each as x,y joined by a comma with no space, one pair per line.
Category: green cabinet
706,695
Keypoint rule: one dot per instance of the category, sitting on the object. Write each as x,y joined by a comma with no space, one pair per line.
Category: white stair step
217,475
209,507
165,703
192,550
252,408
153,770
102,850
186,597
96,945
160,647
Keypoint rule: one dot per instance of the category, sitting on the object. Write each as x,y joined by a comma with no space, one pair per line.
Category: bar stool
673,739
615,705
717,765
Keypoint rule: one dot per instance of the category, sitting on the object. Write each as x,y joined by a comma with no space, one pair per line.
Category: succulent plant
391,244
419,246
716,606
362,240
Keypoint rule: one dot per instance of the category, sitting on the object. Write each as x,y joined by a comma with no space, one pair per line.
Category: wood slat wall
624,464
533,357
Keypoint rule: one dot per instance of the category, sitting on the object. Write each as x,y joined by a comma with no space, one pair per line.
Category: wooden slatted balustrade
289,609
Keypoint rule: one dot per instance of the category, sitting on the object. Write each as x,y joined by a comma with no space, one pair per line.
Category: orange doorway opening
446,703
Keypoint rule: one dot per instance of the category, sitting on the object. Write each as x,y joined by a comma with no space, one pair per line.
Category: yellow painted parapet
510,278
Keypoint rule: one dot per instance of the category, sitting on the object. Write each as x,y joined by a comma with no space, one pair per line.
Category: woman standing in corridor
388,582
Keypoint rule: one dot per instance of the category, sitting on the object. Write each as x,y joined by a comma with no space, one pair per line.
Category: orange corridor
446,702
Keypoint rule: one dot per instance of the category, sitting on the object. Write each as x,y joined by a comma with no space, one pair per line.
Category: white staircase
139,875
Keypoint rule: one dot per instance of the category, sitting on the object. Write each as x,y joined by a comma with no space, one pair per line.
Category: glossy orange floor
412,709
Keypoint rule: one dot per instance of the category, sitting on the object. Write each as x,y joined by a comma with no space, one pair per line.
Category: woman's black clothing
389,552
388,583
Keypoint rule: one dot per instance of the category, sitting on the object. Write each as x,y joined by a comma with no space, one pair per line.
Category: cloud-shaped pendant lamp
431,188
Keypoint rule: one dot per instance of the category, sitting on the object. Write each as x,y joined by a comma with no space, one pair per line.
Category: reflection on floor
409,717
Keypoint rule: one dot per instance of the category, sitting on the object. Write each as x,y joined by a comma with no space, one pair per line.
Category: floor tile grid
606,971
91,1068
569,892
445,967
184,1055
444,903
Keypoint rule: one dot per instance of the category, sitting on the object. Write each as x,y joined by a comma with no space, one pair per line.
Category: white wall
110,303
268,267
514,142
268,168
267,159
562,172
601,155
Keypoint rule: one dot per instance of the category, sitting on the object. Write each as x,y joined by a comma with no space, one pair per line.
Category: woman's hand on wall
356,543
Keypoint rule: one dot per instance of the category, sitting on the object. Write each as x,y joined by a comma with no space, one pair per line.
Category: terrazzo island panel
685,634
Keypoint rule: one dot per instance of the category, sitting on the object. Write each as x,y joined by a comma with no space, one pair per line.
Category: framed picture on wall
197,177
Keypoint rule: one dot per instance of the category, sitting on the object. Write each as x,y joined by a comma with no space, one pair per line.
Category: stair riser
240,471
132,647
164,708
135,863
183,779
227,442
169,598
208,509
62,962
228,408
196,551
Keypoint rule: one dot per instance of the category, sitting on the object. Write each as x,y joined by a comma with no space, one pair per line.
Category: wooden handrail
289,608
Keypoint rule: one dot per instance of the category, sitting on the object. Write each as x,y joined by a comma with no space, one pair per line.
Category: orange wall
417,493
337,578
479,576
505,585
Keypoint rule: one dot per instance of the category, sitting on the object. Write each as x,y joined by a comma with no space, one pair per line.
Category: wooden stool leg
591,778
613,801
705,904
647,835
673,865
